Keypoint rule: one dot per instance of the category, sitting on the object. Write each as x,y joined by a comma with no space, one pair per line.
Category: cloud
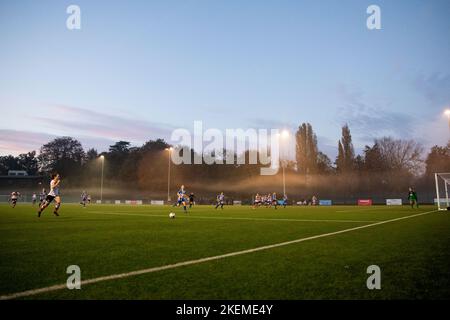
89,123
260,123
435,87
328,146
16,142
435,131
92,128
370,121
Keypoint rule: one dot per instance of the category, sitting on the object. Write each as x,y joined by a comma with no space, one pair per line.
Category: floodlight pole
284,179
101,181
168,174
284,135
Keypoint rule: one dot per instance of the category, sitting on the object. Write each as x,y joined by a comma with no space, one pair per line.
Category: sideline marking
197,261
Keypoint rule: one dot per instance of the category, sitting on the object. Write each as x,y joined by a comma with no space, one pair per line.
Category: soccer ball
171,215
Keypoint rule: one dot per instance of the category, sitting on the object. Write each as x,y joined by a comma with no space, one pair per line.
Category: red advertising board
364,202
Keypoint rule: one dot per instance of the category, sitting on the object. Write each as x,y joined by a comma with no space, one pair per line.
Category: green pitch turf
103,240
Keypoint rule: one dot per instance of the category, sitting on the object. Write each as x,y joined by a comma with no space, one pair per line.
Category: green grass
413,254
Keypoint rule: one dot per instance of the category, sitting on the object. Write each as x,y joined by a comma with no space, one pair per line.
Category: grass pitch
103,240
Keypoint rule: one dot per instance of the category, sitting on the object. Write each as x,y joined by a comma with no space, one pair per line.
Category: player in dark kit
42,197
285,200
412,197
220,200
274,200
191,199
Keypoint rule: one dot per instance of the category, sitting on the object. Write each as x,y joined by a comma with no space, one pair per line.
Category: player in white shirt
13,198
83,199
52,195
257,201
33,199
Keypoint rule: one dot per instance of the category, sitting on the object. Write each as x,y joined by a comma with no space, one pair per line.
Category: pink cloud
16,142
79,121
93,129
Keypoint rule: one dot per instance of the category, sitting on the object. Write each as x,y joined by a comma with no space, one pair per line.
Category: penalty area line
202,260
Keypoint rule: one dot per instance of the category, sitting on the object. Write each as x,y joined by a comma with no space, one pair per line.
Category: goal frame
437,175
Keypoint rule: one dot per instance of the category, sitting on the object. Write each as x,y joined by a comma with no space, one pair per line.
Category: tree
8,163
120,147
359,163
25,161
64,155
345,161
372,167
340,157
373,159
438,160
116,158
91,154
324,165
400,155
28,162
154,146
306,149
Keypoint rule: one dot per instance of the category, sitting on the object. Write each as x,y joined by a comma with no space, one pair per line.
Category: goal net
442,186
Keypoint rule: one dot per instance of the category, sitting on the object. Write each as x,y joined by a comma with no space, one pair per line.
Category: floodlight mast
169,149
284,135
102,158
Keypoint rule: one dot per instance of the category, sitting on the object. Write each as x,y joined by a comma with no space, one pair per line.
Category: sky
137,70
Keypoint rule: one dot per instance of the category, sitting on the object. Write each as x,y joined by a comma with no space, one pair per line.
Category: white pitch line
229,218
197,261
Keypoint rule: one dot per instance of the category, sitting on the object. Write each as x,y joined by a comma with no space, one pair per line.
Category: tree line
388,164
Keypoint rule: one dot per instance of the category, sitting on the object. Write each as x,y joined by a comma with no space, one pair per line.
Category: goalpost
445,177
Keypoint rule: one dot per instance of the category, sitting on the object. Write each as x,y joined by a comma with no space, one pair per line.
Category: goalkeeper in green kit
412,197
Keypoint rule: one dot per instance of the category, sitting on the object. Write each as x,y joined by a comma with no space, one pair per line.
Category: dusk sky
137,70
